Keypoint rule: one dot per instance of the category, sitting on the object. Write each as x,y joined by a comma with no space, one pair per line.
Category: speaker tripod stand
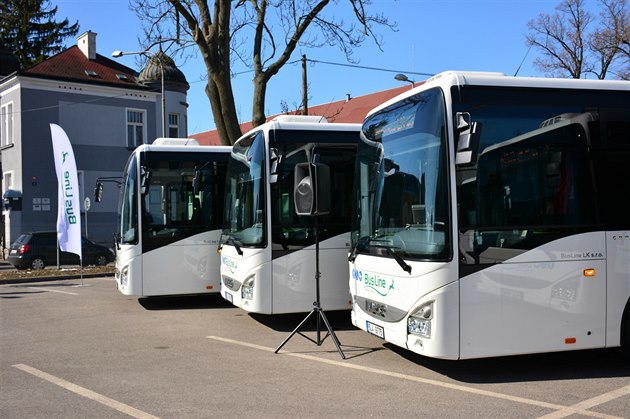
317,311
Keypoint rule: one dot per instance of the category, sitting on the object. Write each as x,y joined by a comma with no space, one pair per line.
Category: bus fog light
247,290
419,322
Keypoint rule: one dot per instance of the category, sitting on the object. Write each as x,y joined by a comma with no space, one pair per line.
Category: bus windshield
401,201
244,202
335,149
170,209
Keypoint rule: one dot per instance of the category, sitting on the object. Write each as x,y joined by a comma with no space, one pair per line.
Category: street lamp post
402,77
118,54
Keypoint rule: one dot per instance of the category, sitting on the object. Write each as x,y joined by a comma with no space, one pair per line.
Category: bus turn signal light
570,341
590,272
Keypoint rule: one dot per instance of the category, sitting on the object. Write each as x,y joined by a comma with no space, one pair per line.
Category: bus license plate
375,329
228,296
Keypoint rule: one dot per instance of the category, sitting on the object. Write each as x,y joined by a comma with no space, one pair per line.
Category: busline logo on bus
229,264
374,282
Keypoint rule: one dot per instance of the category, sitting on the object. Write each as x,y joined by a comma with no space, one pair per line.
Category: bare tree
607,42
262,34
569,49
624,52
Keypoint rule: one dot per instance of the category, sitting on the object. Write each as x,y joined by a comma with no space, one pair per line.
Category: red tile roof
353,110
72,64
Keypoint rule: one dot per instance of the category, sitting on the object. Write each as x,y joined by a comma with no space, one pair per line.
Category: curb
53,278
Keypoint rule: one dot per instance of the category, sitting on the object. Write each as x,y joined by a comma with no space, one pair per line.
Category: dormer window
122,77
91,73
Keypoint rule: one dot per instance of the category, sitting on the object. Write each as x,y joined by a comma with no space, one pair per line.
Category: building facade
105,108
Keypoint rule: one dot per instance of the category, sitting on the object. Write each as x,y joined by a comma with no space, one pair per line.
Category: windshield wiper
390,252
404,265
231,240
361,241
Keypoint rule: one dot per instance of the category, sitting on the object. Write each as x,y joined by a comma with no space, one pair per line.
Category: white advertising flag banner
68,210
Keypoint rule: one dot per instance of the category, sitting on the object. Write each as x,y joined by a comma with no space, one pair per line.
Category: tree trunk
223,110
213,97
258,104
227,113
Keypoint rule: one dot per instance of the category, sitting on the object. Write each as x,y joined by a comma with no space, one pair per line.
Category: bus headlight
124,275
247,290
419,322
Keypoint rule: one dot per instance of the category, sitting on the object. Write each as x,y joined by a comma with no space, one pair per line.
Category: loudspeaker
311,189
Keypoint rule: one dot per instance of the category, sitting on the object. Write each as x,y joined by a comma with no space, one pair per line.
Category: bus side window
611,158
527,190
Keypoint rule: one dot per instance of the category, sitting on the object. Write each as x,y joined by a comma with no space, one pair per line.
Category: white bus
168,223
492,217
268,252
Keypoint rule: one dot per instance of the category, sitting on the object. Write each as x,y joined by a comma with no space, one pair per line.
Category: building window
173,125
135,127
7,181
6,124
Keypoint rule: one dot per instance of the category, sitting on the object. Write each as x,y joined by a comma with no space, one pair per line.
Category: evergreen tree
28,28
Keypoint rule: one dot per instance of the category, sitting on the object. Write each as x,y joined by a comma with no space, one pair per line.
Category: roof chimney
87,44
348,97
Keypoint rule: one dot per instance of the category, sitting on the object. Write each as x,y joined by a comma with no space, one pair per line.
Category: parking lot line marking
577,409
81,391
590,403
51,290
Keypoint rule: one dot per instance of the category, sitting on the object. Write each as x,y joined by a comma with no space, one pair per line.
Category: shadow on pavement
339,320
586,364
18,294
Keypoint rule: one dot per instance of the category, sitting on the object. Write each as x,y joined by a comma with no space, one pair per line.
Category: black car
39,249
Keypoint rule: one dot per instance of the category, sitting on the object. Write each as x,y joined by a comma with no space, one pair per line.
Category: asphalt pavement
85,350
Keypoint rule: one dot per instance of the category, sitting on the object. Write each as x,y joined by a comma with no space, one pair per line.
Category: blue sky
433,36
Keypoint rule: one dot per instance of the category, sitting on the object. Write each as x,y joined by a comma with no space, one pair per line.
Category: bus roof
303,122
189,148
448,79
175,141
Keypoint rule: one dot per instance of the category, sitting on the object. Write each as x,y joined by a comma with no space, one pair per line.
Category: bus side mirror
98,191
274,161
196,182
116,240
469,134
145,180
311,189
